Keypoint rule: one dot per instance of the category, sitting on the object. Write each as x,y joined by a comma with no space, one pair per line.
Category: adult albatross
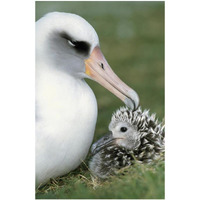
67,51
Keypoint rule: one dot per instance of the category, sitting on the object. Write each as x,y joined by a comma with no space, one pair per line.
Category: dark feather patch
81,47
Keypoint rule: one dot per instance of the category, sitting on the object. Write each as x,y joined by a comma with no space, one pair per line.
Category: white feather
66,108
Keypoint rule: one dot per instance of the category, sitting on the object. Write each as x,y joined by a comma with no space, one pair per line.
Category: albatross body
67,51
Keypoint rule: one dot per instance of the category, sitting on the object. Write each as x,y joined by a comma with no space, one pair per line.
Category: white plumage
67,51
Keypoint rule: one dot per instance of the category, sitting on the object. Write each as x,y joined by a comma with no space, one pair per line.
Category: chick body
135,135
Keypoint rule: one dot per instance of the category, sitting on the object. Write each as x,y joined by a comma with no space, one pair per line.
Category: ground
131,36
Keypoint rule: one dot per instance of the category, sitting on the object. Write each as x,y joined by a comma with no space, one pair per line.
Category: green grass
132,39
138,181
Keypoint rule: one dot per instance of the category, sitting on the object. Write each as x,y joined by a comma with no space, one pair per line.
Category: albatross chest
65,125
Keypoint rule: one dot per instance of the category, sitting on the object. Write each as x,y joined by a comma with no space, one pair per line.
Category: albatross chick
134,135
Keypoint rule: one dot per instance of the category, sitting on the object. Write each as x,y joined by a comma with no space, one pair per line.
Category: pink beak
99,70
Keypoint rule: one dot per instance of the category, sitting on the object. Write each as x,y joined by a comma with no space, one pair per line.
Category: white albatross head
69,43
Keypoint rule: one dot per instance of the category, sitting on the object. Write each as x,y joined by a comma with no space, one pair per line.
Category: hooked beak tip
133,101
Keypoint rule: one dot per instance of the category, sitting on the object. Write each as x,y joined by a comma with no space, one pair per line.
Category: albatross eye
72,43
123,129
80,46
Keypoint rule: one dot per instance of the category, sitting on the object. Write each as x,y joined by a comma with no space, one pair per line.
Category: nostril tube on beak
102,66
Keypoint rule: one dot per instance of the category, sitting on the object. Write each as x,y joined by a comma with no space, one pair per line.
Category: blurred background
131,36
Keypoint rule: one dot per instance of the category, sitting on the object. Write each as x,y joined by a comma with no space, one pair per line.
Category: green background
131,37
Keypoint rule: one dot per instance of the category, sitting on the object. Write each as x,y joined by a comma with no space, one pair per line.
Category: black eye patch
81,47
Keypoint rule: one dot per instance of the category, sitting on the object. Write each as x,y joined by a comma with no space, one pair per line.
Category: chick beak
102,142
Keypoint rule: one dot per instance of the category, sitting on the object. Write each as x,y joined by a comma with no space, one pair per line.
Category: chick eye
123,129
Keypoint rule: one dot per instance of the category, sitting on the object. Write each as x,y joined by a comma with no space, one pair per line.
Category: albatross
67,52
